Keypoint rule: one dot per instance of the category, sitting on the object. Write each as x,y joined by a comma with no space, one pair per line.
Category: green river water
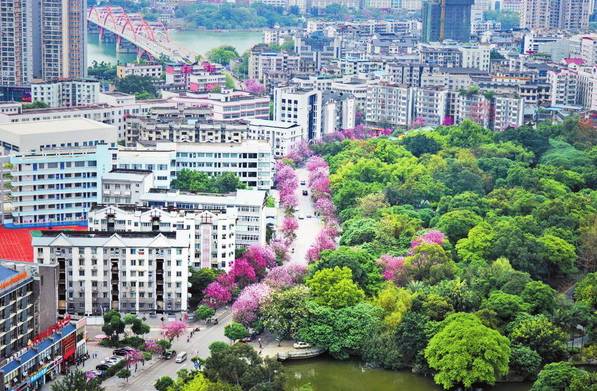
201,41
330,375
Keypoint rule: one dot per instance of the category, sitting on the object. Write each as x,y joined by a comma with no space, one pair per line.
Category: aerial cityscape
298,195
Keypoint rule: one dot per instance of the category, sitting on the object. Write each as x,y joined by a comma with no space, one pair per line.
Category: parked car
301,217
112,360
301,345
168,354
102,367
309,216
303,183
305,192
247,339
122,351
182,356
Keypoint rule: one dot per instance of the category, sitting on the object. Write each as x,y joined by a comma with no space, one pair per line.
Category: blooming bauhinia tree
299,152
430,237
286,276
260,257
246,307
392,266
216,295
243,272
280,247
152,346
289,227
134,356
324,241
174,329
254,87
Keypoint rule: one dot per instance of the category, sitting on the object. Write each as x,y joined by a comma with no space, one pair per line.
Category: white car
301,217
182,356
301,345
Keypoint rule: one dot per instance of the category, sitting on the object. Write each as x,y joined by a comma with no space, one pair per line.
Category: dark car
305,192
168,354
122,351
102,367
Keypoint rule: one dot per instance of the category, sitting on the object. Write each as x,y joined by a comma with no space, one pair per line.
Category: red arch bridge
148,39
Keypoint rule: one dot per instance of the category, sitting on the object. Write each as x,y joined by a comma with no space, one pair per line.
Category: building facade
446,19
124,271
125,186
69,93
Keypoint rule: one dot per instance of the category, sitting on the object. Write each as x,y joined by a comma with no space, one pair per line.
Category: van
182,356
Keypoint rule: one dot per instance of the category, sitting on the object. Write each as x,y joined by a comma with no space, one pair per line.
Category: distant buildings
446,19
570,15
144,69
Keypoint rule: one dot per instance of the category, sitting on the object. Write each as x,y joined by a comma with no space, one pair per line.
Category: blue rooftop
46,343
6,273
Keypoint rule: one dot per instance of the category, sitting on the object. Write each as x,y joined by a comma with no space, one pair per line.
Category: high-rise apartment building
44,39
16,50
571,15
63,39
447,19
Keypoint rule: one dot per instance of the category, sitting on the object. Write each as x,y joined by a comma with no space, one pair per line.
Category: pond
325,374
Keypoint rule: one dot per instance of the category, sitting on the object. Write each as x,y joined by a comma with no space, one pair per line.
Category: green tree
286,312
163,383
429,263
465,352
76,381
199,280
35,105
335,287
586,290
562,376
235,331
525,363
365,271
204,312
113,324
164,344
139,327
395,303
541,297
138,85
342,331
506,306
230,83
457,223
240,365
222,55
540,334
420,143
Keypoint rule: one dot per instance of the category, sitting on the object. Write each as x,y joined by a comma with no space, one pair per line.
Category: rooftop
53,126
6,273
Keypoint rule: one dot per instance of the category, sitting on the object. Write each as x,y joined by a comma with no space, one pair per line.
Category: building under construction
447,19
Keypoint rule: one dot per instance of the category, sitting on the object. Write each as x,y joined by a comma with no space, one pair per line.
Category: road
145,376
308,227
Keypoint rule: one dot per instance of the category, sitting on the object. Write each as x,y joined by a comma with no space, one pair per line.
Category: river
201,41
330,375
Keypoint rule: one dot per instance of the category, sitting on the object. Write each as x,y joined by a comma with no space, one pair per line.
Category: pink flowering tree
254,87
325,241
393,267
286,276
174,329
299,152
316,162
152,346
246,308
134,356
260,257
243,272
419,122
430,237
280,248
289,227
216,294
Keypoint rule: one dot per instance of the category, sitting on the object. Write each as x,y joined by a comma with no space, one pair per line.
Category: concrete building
121,186
563,87
302,107
389,105
588,49
476,57
570,15
124,271
211,233
66,93
475,107
249,205
454,25
508,112
587,88
57,168
251,161
430,106
154,70
63,39
440,55
281,135
16,47
263,62
338,111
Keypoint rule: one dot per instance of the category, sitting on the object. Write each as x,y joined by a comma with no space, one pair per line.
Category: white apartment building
206,81
474,107
249,205
281,135
389,104
261,64
588,49
211,233
302,107
587,88
138,272
227,105
476,57
430,105
355,87
251,160
66,93
125,186
564,87
144,69
57,166
508,112
338,112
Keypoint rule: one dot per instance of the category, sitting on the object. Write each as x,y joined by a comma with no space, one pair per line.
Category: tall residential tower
16,49
447,19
